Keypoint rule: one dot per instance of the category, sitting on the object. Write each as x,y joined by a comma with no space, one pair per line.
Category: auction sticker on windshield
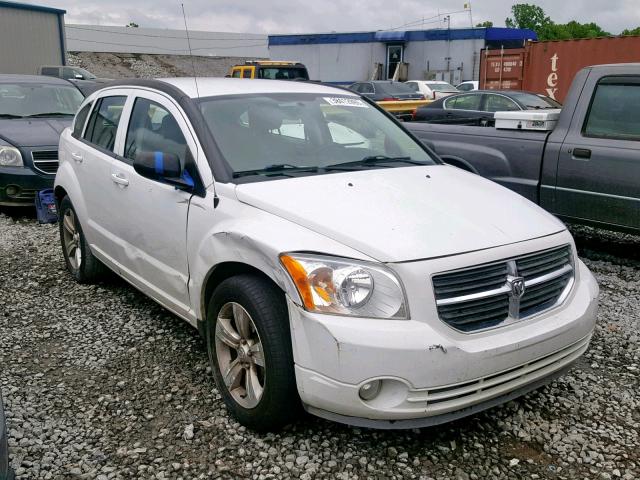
345,102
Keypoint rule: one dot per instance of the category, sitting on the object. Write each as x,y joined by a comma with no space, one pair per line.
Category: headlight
346,287
10,157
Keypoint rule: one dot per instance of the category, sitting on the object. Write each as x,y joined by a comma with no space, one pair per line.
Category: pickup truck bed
586,170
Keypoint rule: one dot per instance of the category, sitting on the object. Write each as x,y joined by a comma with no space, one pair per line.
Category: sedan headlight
346,287
10,157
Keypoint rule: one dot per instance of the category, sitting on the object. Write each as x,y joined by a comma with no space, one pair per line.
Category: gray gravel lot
100,382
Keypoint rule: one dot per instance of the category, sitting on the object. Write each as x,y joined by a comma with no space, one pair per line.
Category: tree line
533,17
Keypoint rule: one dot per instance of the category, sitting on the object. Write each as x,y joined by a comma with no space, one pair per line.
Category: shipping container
549,67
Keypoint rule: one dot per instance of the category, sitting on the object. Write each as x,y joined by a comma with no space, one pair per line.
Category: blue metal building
452,55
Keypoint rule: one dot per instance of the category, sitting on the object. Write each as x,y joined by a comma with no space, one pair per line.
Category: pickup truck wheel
249,346
83,266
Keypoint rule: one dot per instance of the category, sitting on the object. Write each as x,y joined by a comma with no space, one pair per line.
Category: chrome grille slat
483,296
45,161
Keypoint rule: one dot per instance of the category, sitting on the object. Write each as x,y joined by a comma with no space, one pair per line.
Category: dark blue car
5,469
33,112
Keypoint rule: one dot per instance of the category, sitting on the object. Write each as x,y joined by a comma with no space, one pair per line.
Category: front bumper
19,185
430,373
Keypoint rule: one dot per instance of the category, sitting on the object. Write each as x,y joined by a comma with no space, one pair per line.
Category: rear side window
103,122
615,110
80,120
68,73
463,102
153,129
498,103
236,73
413,86
50,71
246,73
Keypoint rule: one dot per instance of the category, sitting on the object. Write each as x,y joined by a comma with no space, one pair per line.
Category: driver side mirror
163,167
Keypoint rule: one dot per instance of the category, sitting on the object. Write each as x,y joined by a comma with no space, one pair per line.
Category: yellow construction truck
270,69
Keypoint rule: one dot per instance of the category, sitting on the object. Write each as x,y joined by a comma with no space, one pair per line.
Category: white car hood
402,214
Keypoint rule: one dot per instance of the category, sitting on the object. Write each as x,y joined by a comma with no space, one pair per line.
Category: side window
366,88
413,86
236,73
80,120
356,87
68,73
498,103
246,73
615,110
50,71
103,122
463,102
153,129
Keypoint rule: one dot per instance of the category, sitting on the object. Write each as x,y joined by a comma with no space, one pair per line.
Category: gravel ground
102,383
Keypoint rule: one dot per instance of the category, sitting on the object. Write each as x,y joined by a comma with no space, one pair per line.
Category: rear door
598,179
92,157
153,215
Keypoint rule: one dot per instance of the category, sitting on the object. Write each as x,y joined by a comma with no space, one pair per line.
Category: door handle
119,179
77,157
584,153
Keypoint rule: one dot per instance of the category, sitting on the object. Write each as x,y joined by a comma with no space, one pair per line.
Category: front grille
45,161
503,292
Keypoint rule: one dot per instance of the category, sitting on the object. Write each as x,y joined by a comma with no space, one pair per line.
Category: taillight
413,114
434,95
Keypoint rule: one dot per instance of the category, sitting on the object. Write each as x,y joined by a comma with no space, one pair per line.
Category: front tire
80,262
249,346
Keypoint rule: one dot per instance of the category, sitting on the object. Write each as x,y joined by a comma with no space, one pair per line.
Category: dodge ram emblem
517,287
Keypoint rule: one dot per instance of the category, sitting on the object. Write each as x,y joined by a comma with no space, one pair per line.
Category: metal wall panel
96,38
29,39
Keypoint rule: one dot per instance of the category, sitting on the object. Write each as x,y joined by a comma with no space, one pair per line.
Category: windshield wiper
277,169
375,160
50,114
10,115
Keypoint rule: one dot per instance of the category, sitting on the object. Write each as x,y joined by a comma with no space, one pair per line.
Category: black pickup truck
586,170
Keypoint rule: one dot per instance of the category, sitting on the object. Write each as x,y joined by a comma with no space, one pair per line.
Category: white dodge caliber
329,259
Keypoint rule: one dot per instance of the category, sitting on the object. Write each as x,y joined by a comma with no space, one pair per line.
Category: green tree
632,31
486,24
132,25
528,16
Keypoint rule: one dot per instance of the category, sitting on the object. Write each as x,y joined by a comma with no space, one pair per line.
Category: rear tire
249,346
80,262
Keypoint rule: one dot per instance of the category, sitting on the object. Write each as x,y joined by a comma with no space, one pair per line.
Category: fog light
370,390
12,190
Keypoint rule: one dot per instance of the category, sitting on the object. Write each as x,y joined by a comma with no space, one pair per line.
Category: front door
395,55
155,236
598,177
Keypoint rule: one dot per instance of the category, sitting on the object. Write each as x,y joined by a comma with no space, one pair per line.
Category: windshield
442,87
317,133
33,99
283,73
534,101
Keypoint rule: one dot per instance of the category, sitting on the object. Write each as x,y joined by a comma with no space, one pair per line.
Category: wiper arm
375,160
50,114
277,169
10,115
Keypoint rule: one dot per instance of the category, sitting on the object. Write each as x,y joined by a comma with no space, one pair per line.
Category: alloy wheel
71,239
240,355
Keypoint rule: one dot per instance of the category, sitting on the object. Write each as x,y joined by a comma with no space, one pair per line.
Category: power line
417,22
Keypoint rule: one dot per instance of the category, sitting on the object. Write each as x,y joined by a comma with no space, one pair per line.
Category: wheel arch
458,162
219,273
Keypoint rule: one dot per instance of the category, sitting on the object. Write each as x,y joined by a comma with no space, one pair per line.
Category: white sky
290,16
